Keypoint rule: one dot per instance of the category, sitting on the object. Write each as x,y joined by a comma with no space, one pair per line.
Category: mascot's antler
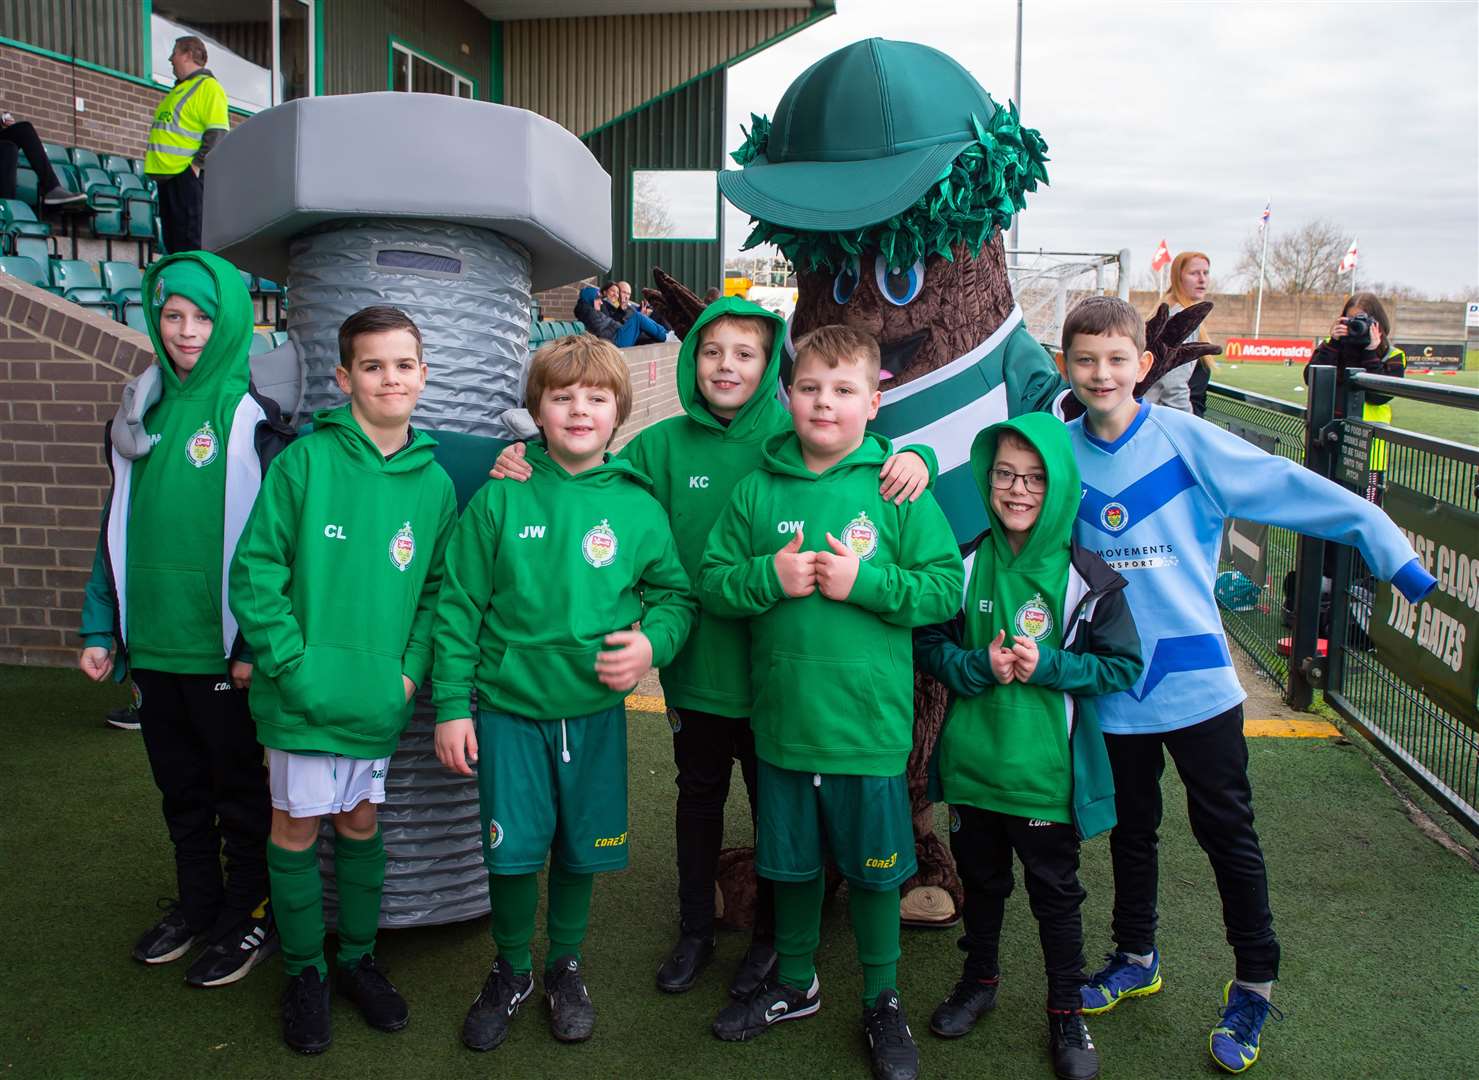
1165,339
673,302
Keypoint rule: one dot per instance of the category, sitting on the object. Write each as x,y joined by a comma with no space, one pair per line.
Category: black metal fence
1313,616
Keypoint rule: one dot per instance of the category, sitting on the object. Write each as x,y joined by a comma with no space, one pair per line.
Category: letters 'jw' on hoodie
833,681
1033,749
175,511
335,585
695,460
538,574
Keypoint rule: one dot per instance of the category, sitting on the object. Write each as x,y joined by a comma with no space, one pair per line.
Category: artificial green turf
1380,930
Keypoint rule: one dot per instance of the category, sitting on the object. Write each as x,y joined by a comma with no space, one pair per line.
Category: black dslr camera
1357,331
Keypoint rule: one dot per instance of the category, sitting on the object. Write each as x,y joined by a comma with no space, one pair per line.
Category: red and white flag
1348,263
1162,257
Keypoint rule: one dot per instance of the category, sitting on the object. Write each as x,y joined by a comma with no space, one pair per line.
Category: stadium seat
137,165
101,191
249,280
69,274
279,337
18,266
67,176
547,330
27,186
35,248
261,343
97,300
18,219
115,163
84,158
118,276
55,154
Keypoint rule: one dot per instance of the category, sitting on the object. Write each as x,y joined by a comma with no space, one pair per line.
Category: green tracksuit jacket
832,680
335,583
538,574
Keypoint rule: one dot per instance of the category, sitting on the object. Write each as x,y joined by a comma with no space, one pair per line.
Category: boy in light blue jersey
1157,486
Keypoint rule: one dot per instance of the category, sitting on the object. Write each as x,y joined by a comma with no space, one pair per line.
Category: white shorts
311,785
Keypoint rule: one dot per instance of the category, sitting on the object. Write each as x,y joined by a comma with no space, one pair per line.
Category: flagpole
1262,261
1018,91
1355,240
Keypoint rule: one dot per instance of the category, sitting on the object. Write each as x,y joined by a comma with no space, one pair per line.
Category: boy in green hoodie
728,370
187,452
1021,759
832,678
335,584
544,583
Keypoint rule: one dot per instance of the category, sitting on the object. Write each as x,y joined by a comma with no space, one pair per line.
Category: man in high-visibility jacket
189,121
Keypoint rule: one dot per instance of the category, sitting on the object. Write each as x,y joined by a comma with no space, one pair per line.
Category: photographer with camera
1361,339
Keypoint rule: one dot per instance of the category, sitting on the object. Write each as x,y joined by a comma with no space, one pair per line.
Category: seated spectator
18,135
605,319
625,309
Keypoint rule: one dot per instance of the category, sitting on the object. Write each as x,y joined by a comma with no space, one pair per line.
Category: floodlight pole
1017,97
1262,259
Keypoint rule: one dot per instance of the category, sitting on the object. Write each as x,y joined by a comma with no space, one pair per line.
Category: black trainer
754,968
681,969
572,1017
168,939
234,953
770,1003
380,1003
306,1026
891,1049
1072,1051
958,1013
493,1009
125,717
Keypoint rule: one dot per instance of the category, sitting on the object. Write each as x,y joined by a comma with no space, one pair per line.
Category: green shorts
553,786
863,822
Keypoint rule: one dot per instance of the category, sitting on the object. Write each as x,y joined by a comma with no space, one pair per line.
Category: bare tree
652,214
1304,261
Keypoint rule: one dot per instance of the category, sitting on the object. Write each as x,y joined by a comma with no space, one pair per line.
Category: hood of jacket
1052,534
764,410
418,453
782,454
612,471
224,365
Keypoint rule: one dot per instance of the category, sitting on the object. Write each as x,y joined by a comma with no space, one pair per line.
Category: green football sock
798,929
569,911
875,925
298,907
359,871
515,898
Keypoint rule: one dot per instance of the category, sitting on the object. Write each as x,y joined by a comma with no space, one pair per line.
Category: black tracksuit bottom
982,842
705,748
207,763
181,210
1212,758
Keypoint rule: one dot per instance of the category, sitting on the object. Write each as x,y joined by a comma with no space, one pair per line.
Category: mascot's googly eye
846,282
899,287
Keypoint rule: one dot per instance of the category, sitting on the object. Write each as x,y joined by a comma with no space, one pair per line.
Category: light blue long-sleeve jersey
1153,506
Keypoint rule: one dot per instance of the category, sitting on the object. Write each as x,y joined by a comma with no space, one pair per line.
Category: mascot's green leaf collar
978,193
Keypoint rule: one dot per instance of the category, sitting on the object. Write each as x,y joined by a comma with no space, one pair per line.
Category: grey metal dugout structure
454,211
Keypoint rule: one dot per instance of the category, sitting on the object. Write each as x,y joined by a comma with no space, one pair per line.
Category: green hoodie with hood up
538,574
1033,749
832,681
335,585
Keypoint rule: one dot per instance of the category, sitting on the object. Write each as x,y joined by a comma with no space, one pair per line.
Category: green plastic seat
35,248
84,158
27,186
261,343
68,274
119,275
19,266
99,300
56,154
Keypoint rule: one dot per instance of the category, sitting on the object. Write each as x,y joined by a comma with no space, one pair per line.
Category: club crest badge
403,547
1114,517
159,292
1033,619
495,834
203,446
599,545
861,536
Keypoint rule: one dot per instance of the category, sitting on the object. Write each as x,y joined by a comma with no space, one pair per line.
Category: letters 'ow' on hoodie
833,681
1034,749
538,574
335,584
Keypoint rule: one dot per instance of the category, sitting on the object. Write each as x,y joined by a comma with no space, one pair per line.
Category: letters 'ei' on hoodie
538,574
335,583
1034,749
833,681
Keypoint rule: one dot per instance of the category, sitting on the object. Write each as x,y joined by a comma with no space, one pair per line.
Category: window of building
675,204
261,51
413,71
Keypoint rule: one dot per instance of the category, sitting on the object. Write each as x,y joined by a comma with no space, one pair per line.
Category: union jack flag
1263,218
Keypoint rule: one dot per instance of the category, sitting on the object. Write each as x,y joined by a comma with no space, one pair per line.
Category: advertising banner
1239,350
1433,355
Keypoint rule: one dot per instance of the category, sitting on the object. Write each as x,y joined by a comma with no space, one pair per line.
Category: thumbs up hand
837,569
796,569
1003,660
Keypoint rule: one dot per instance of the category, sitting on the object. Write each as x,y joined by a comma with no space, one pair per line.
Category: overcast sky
1180,119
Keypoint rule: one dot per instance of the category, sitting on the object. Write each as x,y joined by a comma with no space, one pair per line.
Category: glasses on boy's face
1003,479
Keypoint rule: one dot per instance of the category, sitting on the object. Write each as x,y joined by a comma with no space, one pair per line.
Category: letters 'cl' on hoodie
832,680
335,584
1034,749
538,574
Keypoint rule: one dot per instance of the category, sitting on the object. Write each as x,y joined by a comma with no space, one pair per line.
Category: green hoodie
695,460
538,574
335,584
832,681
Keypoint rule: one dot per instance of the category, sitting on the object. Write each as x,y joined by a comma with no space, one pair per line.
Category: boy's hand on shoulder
837,570
410,686
1003,660
511,464
622,667
241,675
96,662
1024,653
457,745
904,477
796,569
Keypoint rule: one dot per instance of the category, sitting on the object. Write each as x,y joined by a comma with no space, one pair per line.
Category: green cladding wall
683,130
357,35
109,33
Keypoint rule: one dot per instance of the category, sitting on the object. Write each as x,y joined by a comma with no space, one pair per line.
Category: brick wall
1283,316
654,370
61,373
559,302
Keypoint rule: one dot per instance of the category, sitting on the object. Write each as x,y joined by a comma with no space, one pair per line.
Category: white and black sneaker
168,939
891,1049
493,1009
572,1017
231,957
770,1003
